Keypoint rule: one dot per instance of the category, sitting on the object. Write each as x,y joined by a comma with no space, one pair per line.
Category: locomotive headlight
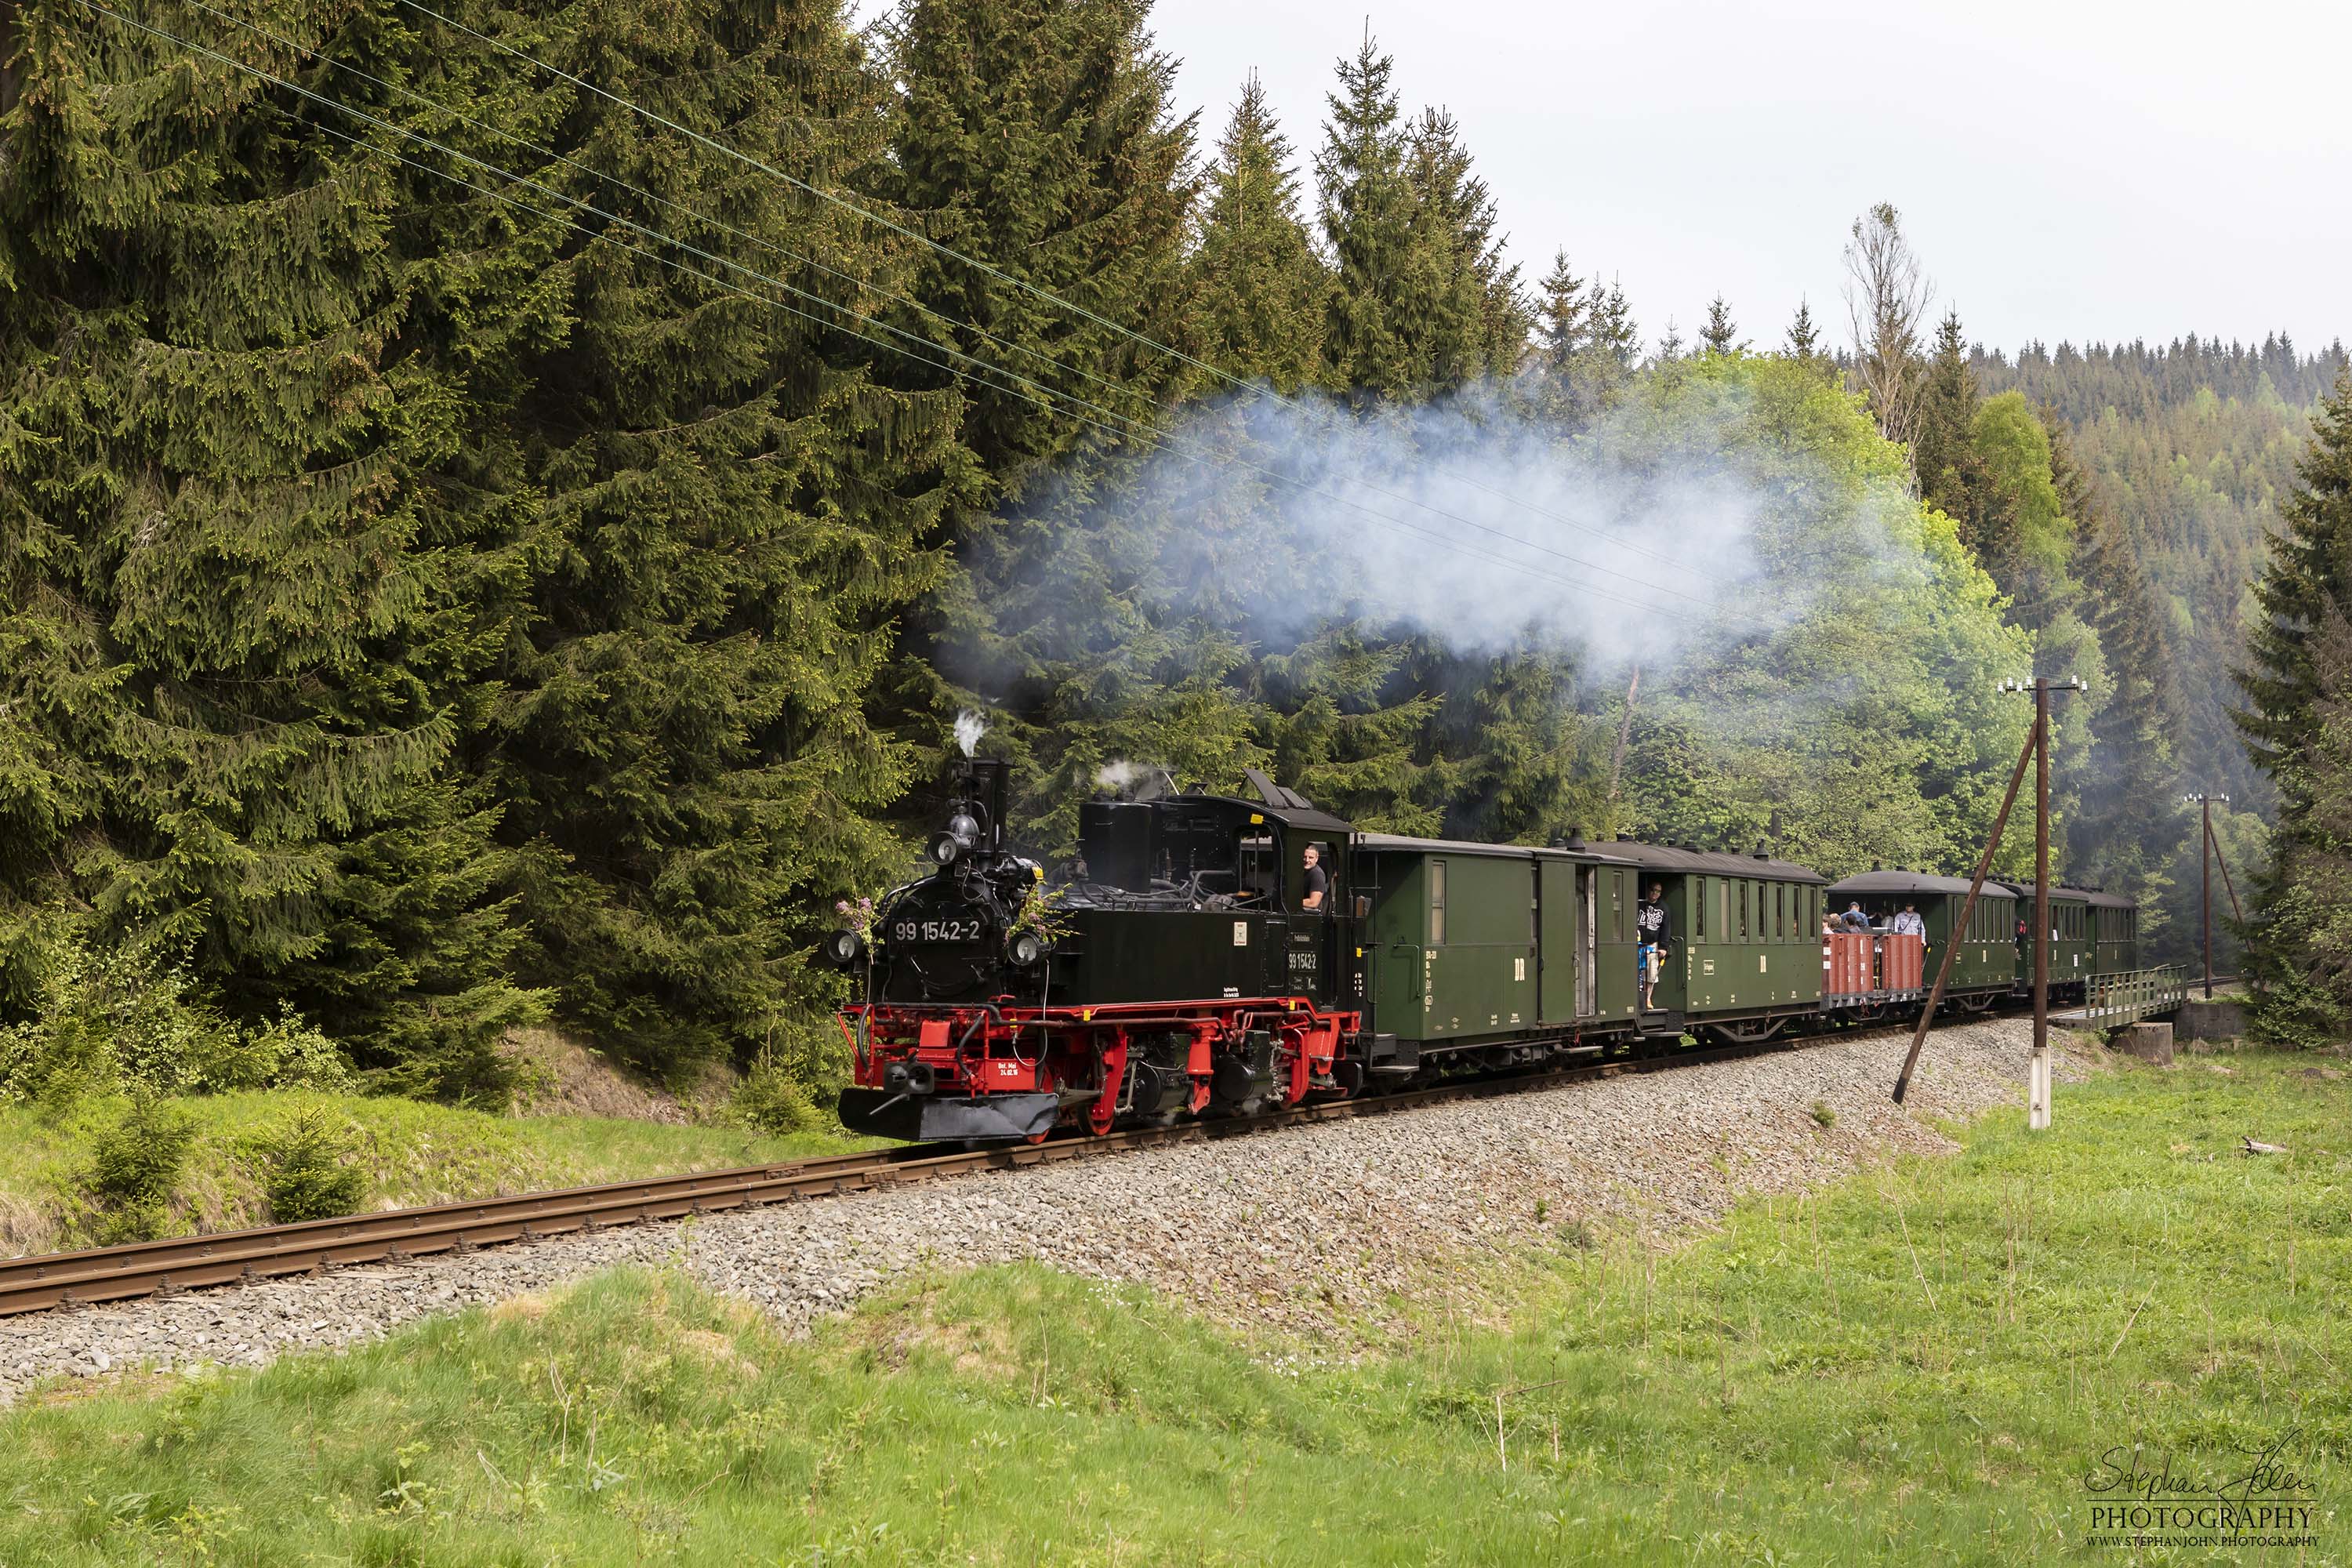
1025,951
844,948
952,840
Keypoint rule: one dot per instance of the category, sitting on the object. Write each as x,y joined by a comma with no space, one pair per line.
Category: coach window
1698,917
1742,927
1617,905
1437,903
1780,912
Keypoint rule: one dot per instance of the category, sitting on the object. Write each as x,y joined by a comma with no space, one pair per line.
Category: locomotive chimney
980,786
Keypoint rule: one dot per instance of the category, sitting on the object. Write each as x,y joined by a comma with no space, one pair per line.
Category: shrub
137,1165
306,1171
771,1099
1823,1114
125,1018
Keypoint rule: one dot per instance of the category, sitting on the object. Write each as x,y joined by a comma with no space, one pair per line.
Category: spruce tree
1720,334
1615,337
745,500
1561,312
2126,822
259,539
1260,288
2297,681
1952,475
1584,349
1367,208
1474,319
1039,138
1804,337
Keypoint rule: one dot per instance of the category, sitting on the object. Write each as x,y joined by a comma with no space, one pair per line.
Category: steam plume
969,727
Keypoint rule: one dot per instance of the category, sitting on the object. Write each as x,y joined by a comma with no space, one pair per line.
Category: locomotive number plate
938,930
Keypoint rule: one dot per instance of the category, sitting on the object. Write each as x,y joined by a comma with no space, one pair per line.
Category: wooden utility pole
2209,849
2037,1091
2205,887
2037,750
1967,907
2039,1076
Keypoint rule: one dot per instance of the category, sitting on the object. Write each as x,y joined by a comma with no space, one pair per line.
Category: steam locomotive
1179,967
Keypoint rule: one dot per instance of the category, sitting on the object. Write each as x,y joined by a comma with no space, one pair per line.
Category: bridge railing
2111,999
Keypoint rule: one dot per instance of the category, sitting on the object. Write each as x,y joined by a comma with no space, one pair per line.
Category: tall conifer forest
501,510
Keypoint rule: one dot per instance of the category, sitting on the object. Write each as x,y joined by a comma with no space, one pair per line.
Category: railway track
42,1282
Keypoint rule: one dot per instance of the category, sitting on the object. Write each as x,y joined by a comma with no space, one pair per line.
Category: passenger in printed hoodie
1650,922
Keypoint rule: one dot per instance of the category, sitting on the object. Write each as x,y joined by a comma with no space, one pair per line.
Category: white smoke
969,727
1466,522
1120,775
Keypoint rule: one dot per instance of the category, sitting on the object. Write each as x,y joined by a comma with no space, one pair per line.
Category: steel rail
43,1281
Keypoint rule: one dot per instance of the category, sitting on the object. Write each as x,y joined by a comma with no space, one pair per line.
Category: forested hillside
2190,449
501,510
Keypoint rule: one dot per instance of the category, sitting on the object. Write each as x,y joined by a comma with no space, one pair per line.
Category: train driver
1318,882
1650,924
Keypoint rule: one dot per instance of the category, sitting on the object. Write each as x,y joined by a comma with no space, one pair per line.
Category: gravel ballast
1289,1230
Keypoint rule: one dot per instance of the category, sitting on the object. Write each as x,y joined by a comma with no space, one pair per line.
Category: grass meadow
1924,1364
410,1152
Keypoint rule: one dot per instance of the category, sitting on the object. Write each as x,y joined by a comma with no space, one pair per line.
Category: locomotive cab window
1259,869
1437,903
1299,882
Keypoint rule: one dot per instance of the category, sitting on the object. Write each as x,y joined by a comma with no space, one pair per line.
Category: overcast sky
2084,169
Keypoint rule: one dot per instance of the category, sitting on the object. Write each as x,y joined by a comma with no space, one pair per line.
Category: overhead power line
1255,389
1157,440
968,363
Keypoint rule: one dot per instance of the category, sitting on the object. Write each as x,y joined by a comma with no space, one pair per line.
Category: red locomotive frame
1080,1054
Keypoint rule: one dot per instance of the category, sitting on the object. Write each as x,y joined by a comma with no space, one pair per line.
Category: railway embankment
1345,1235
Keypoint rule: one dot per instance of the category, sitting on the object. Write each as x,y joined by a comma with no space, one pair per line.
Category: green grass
412,1152
1917,1366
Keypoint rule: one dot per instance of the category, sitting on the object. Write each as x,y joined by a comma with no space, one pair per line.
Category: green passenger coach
1744,932
1474,945
2073,955
2115,934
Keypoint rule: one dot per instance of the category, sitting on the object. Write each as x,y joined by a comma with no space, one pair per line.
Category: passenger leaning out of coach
1650,927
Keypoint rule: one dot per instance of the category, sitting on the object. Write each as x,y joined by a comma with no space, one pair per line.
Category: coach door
1559,938
1588,940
